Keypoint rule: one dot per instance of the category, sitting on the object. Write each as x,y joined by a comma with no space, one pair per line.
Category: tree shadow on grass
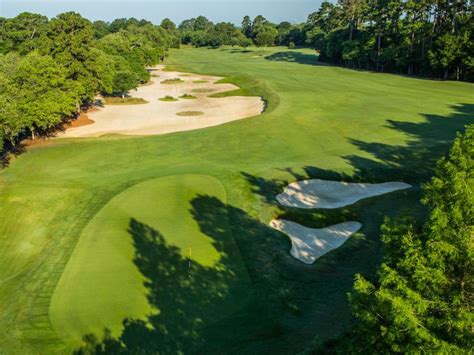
416,160
277,296
189,296
186,293
295,57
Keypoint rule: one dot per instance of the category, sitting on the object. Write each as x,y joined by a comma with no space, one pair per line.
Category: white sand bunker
332,194
158,117
308,244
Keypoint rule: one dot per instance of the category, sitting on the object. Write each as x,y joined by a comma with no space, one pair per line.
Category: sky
294,11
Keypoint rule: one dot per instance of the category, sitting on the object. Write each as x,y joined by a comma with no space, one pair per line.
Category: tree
70,38
202,24
45,95
123,82
101,29
23,32
168,25
352,10
266,35
258,22
11,124
247,27
446,53
423,301
245,42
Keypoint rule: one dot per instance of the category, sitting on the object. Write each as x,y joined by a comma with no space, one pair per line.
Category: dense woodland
425,38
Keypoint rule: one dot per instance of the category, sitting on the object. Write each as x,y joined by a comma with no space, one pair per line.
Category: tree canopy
426,38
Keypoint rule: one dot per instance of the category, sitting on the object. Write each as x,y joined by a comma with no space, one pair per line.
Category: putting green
101,285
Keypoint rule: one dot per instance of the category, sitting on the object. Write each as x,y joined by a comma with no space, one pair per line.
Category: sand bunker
159,117
332,194
308,244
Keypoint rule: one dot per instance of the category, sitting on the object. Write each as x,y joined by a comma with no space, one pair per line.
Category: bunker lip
158,117
309,244
328,194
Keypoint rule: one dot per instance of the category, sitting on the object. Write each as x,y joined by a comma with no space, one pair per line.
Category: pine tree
423,300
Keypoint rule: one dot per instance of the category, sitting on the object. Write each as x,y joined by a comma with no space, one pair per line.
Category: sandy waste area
159,117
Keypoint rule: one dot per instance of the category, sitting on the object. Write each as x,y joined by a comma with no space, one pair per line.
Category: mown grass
190,113
88,287
322,121
168,98
172,81
188,97
127,100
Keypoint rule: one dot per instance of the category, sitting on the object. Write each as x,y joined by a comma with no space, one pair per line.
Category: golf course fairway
95,232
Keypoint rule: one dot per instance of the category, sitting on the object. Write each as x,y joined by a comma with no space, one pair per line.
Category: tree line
429,38
201,32
423,298
49,69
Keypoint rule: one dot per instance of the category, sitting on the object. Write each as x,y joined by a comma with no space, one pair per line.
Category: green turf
86,298
172,81
113,100
190,113
168,99
188,97
321,121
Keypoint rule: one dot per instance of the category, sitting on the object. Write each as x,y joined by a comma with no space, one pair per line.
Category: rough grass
172,81
188,97
322,122
200,81
115,100
168,98
190,113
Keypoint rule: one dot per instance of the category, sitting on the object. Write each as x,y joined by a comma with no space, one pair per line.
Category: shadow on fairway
415,161
294,57
233,51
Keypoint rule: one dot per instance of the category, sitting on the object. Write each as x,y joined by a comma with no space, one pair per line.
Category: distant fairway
81,219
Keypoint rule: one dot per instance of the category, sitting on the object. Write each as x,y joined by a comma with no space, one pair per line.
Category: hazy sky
177,10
